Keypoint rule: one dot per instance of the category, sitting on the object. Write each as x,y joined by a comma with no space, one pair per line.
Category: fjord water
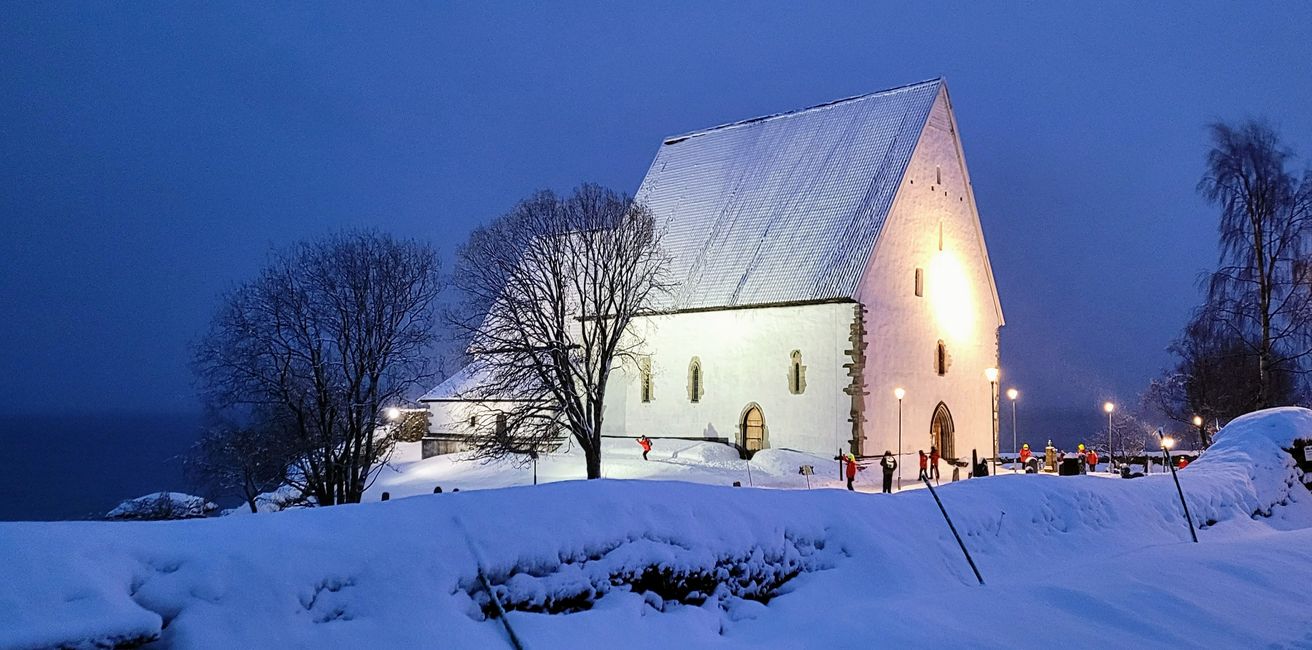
79,466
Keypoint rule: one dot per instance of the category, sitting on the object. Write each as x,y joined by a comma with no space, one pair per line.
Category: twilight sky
151,153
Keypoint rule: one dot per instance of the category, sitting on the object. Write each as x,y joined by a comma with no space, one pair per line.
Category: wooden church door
753,429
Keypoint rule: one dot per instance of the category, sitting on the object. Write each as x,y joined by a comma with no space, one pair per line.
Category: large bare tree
550,289
1215,377
1260,294
330,333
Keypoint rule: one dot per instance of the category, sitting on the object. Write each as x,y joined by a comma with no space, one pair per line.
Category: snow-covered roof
459,383
787,207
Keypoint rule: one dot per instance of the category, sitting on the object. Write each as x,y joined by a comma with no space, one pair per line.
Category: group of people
888,463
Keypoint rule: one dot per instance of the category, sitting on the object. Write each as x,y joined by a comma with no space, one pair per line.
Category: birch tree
1260,294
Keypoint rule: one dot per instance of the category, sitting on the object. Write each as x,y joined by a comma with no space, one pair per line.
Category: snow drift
643,563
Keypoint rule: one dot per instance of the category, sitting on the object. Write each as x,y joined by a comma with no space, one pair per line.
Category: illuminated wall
745,357
933,226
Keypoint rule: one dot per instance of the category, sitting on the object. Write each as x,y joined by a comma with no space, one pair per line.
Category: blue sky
153,152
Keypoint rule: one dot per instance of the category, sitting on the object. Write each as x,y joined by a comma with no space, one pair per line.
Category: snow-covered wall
745,357
934,227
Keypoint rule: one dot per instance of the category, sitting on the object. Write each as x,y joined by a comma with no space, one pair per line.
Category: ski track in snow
1071,561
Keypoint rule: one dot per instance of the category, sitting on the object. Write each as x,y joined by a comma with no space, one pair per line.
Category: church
832,288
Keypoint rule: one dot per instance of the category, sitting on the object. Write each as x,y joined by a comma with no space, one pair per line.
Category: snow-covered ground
1070,561
675,460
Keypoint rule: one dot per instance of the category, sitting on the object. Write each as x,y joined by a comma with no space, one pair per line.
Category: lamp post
1111,457
1012,394
991,374
1202,433
899,393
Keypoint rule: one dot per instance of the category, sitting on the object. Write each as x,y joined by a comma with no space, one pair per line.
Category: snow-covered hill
1075,561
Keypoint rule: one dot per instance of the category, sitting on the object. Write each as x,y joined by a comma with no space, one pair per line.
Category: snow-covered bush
162,506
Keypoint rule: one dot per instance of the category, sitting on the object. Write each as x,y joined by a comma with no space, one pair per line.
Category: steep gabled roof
787,207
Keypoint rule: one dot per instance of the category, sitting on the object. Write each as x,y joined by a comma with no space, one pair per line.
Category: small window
473,422
695,388
940,235
644,373
938,175
796,374
941,359
501,424
920,283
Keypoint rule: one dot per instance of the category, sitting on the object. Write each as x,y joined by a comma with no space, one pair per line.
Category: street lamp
1111,458
393,413
1012,394
899,394
1202,433
991,374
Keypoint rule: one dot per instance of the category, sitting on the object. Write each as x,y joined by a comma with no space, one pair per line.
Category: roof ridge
728,125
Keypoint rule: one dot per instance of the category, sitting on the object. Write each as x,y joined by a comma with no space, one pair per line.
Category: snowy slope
1079,561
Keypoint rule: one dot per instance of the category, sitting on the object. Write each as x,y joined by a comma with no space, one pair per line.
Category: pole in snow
487,586
1166,449
953,529
899,394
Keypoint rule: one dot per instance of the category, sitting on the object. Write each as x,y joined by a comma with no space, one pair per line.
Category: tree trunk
592,454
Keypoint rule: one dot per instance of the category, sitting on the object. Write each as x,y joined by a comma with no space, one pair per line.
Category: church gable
784,208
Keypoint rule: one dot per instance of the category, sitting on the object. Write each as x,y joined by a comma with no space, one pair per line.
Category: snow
1082,561
162,505
670,459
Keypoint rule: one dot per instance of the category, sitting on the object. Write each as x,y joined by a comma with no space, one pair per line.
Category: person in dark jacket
851,471
924,465
889,465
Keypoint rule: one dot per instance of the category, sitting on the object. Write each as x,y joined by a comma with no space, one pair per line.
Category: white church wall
957,307
745,357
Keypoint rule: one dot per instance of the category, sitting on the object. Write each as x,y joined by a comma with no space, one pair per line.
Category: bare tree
243,460
549,290
1260,293
330,333
1215,377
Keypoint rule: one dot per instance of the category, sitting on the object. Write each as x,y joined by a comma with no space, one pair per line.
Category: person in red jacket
924,464
1182,463
851,471
1092,459
645,443
1024,454
933,463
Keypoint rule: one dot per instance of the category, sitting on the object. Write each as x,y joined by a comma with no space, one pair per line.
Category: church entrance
940,432
753,429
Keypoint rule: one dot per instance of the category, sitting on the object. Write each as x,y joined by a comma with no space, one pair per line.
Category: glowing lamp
1109,407
1012,394
393,413
1168,442
1198,421
899,393
991,374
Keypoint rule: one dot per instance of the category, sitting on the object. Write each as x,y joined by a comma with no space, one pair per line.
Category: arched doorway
752,429
940,432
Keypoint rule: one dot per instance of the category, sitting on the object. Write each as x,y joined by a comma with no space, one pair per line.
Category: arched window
796,374
695,388
644,377
941,359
